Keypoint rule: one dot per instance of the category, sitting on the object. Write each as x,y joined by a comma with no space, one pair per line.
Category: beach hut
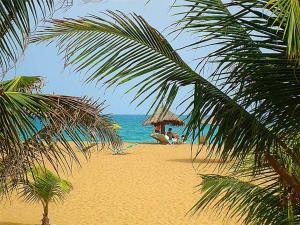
162,118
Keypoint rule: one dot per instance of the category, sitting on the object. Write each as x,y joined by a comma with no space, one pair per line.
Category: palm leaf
45,186
23,84
251,66
246,112
38,129
251,203
129,48
17,19
287,13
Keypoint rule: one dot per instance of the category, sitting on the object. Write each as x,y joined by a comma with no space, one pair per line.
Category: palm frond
251,65
253,198
287,14
248,115
249,53
276,23
49,129
45,186
251,203
17,19
23,84
125,48
128,48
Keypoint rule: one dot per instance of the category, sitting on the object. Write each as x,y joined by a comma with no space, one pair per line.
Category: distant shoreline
113,114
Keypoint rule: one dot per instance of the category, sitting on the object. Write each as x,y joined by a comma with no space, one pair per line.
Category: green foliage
259,198
287,13
250,203
22,84
129,48
62,120
251,98
44,186
17,19
119,51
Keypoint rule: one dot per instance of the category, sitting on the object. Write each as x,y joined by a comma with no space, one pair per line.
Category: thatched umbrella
160,117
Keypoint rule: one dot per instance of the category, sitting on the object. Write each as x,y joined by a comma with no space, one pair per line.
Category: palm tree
45,187
253,104
39,128
60,119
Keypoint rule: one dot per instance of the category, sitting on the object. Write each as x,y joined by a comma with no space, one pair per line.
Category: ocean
133,130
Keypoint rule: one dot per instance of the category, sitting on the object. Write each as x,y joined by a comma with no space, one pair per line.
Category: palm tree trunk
45,220
290,203
288,179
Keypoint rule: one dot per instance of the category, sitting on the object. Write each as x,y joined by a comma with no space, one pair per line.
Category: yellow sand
151,185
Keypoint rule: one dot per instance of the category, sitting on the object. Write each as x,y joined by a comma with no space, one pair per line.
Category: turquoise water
133,130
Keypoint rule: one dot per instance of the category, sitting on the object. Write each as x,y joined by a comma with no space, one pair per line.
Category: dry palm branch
47,130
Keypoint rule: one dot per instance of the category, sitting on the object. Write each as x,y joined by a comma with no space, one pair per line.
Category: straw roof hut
163,117
160,117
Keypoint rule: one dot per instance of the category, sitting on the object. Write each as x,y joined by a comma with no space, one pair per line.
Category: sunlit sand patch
151,184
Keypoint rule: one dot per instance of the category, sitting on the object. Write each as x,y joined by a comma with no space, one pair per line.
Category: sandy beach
150,185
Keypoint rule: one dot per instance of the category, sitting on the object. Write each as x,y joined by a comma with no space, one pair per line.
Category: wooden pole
163,131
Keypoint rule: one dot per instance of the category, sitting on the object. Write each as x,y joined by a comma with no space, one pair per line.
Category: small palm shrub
45,187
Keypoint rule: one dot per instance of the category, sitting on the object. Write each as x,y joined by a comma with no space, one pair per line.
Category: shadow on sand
9,223
117,154
150,143
200,161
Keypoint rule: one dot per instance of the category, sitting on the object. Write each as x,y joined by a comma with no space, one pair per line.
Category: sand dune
151,185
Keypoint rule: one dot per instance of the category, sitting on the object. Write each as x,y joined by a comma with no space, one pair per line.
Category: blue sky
43,60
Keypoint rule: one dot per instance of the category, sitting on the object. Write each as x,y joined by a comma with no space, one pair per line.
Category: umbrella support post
163,131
